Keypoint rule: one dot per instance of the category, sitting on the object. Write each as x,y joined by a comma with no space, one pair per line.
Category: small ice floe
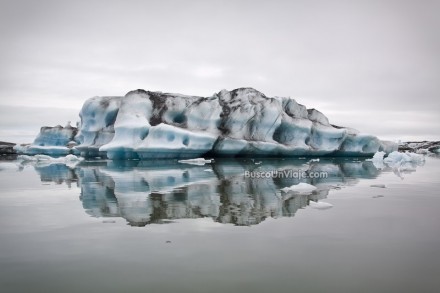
45,158
302,188
197,161
208,170
378,185
314,160
397,158
258,163
378,160
377,196
26,158
320,205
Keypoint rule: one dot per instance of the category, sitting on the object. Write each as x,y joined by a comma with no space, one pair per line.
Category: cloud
22,124
352,57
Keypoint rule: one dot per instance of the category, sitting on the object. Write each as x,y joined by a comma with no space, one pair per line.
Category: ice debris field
241,122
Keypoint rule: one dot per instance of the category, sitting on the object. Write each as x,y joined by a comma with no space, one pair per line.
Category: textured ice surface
55,141
398,161
241,122
98,117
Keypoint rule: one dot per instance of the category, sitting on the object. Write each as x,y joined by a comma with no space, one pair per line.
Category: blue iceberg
237,123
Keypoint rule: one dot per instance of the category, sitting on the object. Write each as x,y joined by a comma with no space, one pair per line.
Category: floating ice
398,159
320,205
299,188
378,160
198,161
69,160
378,156
399,162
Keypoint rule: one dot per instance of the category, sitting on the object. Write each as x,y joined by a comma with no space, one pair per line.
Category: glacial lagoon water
163,226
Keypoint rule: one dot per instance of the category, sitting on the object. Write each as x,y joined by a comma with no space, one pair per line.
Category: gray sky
370,65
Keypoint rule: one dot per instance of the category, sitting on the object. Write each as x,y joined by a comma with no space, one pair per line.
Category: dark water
168,227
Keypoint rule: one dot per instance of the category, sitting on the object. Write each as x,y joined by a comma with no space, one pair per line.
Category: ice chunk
320,205
398,158
197,161
398,161
69,160
302,188
378,160
378,156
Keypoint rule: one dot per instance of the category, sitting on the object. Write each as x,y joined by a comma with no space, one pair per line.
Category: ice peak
137,92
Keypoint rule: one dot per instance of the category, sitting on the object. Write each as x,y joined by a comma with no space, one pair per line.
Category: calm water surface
162,226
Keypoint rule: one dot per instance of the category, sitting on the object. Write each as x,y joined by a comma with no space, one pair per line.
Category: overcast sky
370,65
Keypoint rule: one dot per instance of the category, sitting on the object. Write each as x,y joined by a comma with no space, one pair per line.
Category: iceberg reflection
145,192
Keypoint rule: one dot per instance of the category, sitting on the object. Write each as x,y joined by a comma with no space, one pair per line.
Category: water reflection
145,192
58,173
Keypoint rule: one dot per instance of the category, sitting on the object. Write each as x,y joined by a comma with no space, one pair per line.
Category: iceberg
54,141
238,123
